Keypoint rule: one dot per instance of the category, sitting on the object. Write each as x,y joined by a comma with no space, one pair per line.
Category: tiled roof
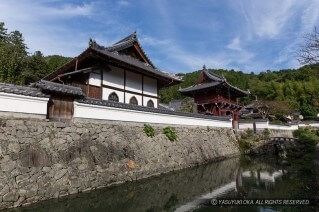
216,80
128,42
213,76
134,62
199,87
148,109
22,90
59,88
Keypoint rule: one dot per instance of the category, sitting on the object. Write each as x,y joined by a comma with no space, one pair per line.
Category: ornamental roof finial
204,67
90,42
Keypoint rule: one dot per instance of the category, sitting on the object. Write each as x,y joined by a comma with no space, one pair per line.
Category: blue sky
178,35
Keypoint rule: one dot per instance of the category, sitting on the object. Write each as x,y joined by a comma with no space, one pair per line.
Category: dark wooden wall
60,107
93,91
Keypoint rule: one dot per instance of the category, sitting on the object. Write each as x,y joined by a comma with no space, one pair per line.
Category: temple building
215,96
119,73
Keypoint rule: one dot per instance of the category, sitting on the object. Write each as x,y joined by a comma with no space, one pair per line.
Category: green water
193,189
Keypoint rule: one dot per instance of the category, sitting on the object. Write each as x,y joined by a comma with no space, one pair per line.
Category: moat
193,189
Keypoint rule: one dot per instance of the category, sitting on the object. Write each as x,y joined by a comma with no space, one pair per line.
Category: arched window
133,101
150,103
113,97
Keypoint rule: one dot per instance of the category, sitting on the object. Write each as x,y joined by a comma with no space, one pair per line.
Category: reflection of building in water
264,178
218,192
261,178
263,175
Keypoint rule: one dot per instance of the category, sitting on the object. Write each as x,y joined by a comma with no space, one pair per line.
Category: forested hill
296,89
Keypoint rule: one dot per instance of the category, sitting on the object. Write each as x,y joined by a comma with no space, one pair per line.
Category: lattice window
150,103
113,97
133,101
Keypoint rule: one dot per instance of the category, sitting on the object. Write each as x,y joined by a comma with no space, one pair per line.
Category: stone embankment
41,160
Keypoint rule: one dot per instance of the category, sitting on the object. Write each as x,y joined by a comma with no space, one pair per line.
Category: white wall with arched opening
146,99
107,91
128,96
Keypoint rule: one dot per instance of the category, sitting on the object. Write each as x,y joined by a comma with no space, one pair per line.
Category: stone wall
42,160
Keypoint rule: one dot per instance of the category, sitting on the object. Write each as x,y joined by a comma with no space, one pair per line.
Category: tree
309,50
36,68
56,61
13,53
280,108
308,111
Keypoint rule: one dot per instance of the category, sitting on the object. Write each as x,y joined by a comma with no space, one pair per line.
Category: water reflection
192,189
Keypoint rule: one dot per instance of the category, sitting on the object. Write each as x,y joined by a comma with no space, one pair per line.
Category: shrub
170,133
266,133
276,121
149,131
249,132
244,145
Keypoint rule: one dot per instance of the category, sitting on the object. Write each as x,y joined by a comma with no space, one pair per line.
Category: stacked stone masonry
42,160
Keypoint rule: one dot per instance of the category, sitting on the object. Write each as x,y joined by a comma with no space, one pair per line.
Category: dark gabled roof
215,81
22,90
199,87
132,61
126,43
212,76
110,52
59,88
148,109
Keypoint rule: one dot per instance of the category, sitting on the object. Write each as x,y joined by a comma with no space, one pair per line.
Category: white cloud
266,18
310,16
235,44
123,3
190,61
45,25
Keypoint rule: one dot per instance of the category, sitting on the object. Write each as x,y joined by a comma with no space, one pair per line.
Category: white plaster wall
282,127
118,114
145,99
95,79
23,104
133,82
114,77
309,125
107,91
259,125
128,96
245,125
150,86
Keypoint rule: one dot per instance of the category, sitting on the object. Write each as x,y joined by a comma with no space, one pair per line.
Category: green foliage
55,61
247,139
17,66
170,133
307,137
249,132
276,121
266,133
149,131
304,149
308,111
244,145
